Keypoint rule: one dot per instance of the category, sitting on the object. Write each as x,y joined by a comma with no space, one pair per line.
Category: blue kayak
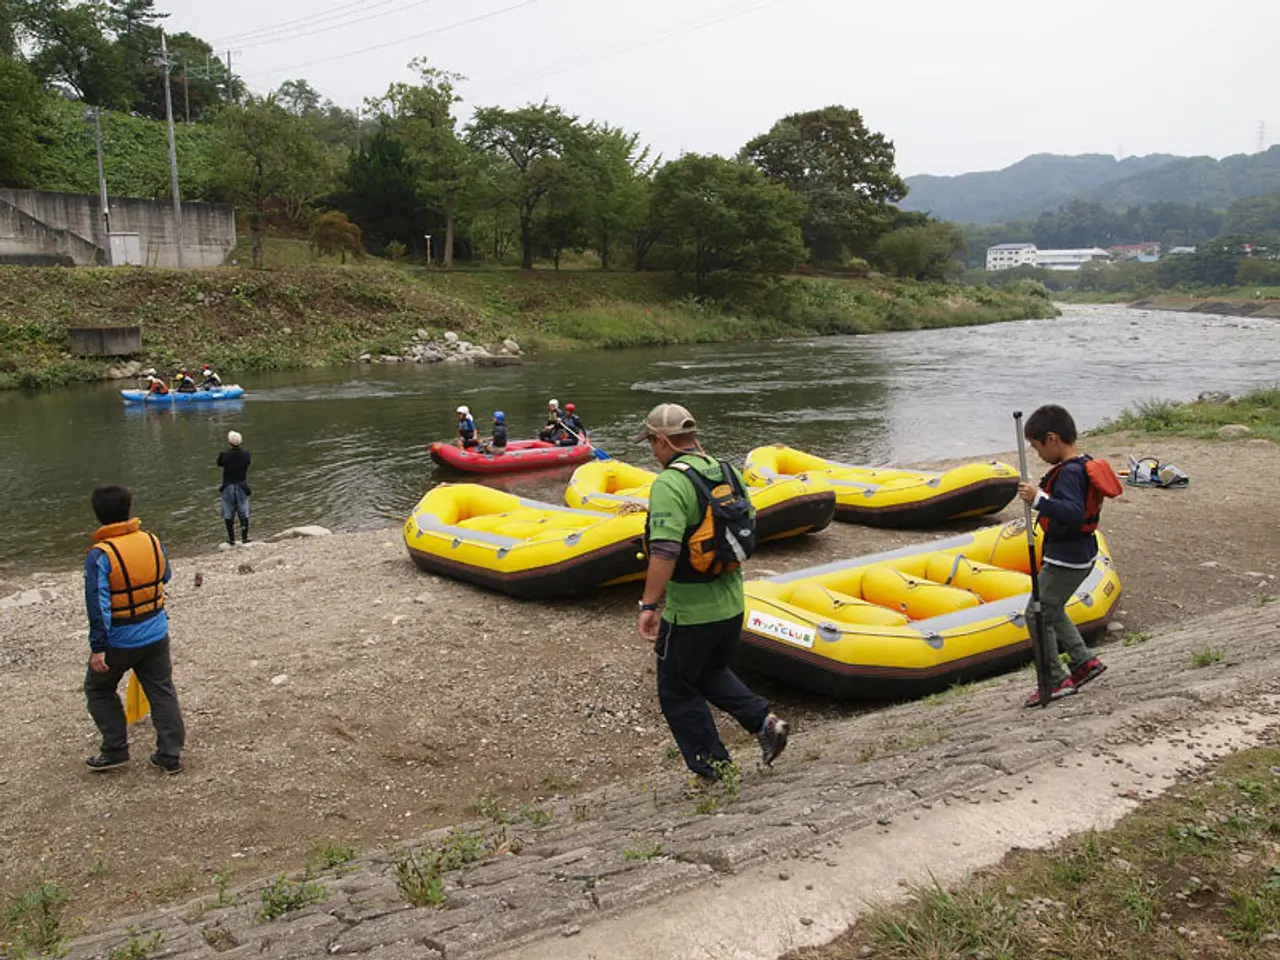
232,392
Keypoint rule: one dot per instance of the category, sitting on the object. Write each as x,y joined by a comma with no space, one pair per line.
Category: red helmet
569,408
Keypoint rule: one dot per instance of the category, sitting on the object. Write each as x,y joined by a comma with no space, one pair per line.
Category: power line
407,39
341,25
675,30
320,17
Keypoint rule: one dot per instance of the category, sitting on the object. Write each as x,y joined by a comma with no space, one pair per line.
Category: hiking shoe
168,766
1089,670
101,762
773,738
1064,689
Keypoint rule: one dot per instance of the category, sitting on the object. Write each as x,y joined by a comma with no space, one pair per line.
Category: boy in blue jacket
1069,512
125,572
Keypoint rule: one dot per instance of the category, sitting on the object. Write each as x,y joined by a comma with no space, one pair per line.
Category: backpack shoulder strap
699,482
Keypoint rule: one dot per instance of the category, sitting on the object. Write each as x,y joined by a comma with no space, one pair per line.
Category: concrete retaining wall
36,221
105,341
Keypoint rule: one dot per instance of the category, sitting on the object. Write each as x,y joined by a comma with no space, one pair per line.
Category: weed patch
33,919
283,896
136,947
1207,657
330,855
647,851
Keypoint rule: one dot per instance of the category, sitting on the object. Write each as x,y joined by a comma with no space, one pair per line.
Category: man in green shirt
697,631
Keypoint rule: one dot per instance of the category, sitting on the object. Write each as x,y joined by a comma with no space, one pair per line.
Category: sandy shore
333,691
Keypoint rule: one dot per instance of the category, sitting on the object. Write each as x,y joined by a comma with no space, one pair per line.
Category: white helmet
553,402
464,410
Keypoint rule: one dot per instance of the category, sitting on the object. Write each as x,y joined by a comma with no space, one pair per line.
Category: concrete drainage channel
939,786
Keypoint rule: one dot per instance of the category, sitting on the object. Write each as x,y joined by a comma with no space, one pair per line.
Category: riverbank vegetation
1257,410
710,245
292,316
1190,874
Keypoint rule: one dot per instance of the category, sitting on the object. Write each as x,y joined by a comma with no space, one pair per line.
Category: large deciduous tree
532,143
618,174
269,157
843,171
73,54
421,115
717,215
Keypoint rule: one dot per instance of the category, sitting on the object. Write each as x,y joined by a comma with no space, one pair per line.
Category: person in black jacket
234,462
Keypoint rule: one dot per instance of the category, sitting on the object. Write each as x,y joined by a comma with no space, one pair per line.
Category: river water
347,447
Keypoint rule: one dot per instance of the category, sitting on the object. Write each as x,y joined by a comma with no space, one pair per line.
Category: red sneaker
1064,689
1089,670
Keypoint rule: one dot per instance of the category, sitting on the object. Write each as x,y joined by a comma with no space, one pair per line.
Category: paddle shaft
582,438
1037,613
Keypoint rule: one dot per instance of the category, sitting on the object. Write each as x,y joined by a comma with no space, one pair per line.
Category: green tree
380,191
421,115
843,171
269,157
532,143
73,54
22,111
1254,215
333,233
717,215
617,178
929,252
135,25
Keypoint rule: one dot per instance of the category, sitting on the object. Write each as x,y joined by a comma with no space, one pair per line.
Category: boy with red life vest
125,572
1069,501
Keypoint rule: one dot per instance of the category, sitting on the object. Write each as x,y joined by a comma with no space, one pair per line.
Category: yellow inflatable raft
910,621
889,497
787,508
525,548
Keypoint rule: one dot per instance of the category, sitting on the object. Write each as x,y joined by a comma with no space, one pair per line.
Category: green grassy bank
316,314
1193,874
1258,410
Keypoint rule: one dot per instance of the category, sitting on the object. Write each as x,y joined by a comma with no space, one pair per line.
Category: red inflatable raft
520,455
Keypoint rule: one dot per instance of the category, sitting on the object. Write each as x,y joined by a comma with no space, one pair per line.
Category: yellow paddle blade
136,705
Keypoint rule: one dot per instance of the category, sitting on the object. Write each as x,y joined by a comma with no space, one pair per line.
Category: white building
1005,256
1069,259
1182,250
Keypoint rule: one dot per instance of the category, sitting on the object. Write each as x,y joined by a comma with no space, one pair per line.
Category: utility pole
231,81
186,92
173,150
102,189
1262,137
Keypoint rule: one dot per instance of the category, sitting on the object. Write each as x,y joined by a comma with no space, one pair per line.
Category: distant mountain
1026,188
1214,183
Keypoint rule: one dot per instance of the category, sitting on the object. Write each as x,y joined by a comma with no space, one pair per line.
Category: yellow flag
136,705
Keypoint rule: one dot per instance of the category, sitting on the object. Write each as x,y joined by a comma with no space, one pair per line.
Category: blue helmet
499,416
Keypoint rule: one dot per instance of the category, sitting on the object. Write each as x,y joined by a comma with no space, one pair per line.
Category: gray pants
1057,584
235,502
154,670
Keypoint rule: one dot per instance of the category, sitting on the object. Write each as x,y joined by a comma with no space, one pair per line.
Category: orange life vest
1101,483
138,567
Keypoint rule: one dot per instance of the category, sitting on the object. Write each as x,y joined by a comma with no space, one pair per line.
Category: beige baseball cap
668,419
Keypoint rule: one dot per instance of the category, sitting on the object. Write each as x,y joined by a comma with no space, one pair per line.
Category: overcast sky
957,86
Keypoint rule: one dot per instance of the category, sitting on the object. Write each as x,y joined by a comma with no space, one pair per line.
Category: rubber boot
231,532
244,530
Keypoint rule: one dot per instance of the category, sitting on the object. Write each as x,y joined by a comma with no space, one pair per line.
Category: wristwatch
649,606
